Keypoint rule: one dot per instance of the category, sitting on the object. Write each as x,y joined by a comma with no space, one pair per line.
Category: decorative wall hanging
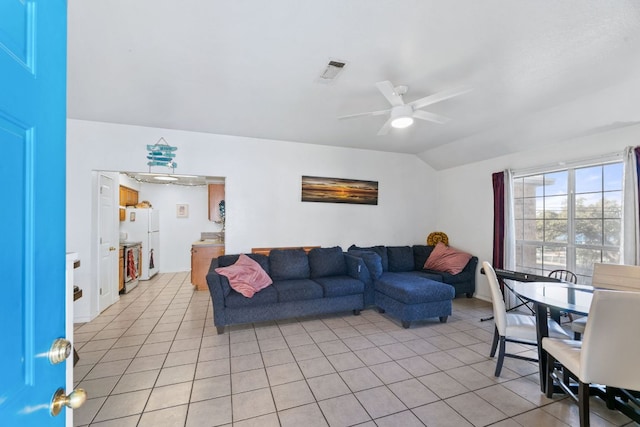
161,154
437,236
182,210
337,190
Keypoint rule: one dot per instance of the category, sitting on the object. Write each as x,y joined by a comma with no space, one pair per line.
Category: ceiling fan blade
370,113
385,127
389,92
425,115
437,97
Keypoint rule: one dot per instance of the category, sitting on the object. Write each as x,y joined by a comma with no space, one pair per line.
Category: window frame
570,244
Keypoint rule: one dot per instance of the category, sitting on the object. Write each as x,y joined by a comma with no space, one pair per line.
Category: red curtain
498,220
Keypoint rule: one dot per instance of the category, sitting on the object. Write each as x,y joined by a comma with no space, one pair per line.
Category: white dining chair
513,327
608,354
609,276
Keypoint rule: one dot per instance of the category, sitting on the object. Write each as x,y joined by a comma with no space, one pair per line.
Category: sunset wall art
337,190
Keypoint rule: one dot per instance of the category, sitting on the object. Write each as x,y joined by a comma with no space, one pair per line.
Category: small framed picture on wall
132,216
182,210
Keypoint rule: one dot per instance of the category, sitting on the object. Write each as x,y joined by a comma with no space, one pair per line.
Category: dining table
571,298
547,297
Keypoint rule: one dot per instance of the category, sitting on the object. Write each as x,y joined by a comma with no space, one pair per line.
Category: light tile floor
155,359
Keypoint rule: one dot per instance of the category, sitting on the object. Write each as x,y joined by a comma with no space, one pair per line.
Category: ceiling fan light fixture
402,122
165,178
401,116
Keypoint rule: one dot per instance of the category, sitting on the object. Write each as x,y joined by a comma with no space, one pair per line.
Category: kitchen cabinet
216,195
201,256
132,197
128,197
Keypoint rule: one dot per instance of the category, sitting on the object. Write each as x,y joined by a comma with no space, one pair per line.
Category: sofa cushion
297,290
268,295
227,260
337,286
372,261
411,289
438,276
325,262
463,276
446,258
380,250
400,258
288,264
224,283
420,255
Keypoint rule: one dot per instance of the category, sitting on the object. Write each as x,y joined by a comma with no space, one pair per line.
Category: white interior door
108,242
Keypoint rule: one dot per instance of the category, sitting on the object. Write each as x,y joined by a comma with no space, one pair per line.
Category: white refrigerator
143,225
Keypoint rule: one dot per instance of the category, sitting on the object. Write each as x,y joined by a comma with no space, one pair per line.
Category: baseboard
82,319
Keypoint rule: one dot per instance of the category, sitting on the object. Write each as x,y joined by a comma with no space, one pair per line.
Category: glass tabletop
564,296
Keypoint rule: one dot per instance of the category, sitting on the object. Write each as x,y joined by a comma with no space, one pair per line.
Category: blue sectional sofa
398,284
409,260
326,280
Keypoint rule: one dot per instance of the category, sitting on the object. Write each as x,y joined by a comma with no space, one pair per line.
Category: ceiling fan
401,114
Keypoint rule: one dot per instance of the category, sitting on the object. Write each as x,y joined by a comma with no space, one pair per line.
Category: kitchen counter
208,242
202,252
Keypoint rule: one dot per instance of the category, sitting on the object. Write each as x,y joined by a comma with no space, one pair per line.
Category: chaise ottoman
411,298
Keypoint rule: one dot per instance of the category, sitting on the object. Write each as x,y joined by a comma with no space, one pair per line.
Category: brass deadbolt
60,350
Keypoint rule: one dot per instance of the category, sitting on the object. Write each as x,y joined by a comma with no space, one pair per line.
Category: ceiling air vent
331,71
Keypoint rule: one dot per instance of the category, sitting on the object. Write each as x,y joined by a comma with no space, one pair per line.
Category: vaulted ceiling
541,71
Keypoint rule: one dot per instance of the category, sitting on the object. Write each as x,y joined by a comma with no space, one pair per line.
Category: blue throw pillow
420,255
227,260
326,262
371,259
288,264
380,250
400,258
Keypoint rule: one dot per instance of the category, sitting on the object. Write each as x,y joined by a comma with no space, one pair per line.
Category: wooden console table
266,251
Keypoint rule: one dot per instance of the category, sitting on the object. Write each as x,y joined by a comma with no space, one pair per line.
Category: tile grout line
124,372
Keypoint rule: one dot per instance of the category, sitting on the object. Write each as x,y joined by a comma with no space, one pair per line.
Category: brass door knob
111,248
74,400
59,351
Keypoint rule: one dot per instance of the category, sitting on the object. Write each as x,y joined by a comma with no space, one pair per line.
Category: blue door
32,161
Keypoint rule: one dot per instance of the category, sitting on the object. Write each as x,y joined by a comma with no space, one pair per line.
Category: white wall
129,182
263,193
465,194
177,234
263,184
